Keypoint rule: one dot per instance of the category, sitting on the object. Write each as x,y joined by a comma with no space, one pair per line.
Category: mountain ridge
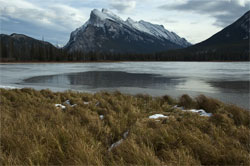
104,26
230,44
238,30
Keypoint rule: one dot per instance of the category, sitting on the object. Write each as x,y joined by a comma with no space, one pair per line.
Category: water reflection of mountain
108,79
231,86
50,80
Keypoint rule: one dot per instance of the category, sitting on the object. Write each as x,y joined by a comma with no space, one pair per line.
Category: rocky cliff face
106,32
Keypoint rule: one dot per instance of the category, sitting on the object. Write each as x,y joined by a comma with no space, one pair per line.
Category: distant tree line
13,51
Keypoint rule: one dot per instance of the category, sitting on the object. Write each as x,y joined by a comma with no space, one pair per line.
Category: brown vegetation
35,132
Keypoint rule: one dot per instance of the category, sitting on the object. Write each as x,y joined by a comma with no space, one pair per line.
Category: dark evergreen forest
26,49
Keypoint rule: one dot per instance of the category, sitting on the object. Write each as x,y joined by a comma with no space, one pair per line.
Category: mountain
106,32
18,47
234,33
106,37
231,43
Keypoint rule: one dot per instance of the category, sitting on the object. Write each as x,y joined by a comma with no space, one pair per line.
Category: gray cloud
11,25
50,21
165,20
123,5
224,11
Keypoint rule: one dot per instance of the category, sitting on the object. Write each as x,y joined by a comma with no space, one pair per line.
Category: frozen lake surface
228,82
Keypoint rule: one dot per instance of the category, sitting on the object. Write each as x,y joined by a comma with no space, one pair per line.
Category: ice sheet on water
8,87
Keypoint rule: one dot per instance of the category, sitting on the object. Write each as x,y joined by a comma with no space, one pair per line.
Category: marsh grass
35,132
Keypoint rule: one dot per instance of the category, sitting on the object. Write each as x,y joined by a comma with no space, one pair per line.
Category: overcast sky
195,20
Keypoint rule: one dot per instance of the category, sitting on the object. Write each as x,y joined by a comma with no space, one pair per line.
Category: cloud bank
224,11
195,20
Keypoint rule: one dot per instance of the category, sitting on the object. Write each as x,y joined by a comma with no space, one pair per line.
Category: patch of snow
111,29
115,144
156,116
125,135
68,103
101,117
200,111
176,106
98,103
59,45
86,103
138,26
60,105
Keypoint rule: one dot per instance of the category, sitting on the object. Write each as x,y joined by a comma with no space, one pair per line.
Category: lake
226,81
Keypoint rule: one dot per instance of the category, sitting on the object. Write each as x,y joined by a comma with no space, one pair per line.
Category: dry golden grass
35,132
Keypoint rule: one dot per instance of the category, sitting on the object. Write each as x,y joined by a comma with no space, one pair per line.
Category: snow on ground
156,116
101,117
176,106
200,111
68,103
125,135
60,105
85,103
115,144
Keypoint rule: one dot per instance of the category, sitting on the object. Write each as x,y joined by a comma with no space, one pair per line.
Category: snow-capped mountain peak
113,26
111,15
96,14
103,15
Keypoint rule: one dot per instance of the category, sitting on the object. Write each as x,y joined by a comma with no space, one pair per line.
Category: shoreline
51,62
123,93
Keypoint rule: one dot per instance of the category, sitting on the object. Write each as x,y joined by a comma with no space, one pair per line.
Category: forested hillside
17,47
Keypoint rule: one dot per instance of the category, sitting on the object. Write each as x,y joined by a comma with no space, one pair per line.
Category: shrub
208,104
187,102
